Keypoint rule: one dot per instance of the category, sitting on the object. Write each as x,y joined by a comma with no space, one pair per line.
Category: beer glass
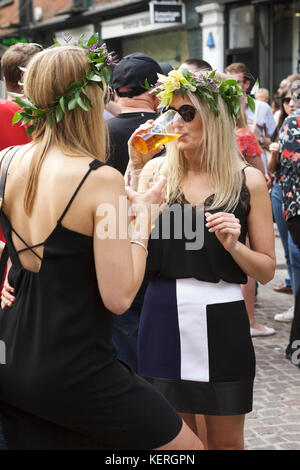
142,179
161,133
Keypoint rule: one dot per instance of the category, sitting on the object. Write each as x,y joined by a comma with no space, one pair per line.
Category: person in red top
16,56
247,143
10,135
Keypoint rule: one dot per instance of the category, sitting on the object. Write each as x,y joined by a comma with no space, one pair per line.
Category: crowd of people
133,341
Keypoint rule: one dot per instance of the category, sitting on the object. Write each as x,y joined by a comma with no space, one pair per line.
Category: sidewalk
274,423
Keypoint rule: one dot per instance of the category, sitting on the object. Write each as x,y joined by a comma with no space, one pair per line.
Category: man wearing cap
137,105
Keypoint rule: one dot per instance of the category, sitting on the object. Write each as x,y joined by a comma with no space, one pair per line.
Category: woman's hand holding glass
146,205
138,159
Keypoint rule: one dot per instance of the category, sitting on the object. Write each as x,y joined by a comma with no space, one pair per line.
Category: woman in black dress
61,386
194,338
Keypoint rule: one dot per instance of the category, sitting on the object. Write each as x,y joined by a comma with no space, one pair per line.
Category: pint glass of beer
142,179
161,133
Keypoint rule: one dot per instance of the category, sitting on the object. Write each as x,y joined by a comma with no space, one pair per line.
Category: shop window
241,27
286,29
170,47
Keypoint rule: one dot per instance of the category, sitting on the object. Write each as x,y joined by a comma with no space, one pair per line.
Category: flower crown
100,61
206,85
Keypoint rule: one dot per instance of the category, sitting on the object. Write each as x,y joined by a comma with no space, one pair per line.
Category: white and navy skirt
195,346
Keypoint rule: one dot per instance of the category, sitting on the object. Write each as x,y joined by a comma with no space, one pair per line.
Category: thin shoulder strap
11,153
246,166
94,165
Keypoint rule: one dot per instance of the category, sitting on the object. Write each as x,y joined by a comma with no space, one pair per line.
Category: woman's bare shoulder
108,174
254,178
106,179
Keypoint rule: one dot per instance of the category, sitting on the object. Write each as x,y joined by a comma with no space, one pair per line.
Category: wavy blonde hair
218,155
79,133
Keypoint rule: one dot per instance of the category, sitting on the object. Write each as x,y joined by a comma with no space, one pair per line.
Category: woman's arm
274,159
258,261
7,294
120,265
256,162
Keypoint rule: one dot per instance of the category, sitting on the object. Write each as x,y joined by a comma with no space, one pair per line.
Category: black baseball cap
132,71
165,67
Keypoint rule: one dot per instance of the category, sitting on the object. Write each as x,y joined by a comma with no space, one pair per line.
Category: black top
120,130
168,254
48,303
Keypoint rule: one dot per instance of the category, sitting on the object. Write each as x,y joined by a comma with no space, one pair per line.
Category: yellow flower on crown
166,85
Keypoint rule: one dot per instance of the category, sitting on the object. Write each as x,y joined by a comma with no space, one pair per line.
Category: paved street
274,423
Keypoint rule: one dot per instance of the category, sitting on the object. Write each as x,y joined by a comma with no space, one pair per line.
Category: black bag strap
11,153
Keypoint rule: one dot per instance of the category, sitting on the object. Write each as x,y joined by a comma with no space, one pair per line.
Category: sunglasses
187,112
286,100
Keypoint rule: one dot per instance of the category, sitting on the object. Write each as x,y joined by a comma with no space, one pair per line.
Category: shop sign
167,12
12,40
137,23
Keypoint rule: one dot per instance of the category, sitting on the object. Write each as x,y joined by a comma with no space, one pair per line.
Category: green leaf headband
207,86
100,61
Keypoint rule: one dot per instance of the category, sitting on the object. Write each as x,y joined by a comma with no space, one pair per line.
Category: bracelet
140,244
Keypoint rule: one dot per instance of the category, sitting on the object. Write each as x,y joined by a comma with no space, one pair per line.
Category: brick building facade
125,25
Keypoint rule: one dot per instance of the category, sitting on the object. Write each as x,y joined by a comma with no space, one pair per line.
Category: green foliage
100,61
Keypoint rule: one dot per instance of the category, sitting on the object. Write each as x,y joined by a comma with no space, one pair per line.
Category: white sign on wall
132,24
167,12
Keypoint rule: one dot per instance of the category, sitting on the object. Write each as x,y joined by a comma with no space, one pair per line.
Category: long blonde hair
79,133
218,155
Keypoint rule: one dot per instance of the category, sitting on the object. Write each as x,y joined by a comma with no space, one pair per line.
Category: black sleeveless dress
194,340
61,386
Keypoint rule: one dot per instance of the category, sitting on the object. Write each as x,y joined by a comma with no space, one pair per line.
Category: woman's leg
185,440
190,420
201,429
225,432
276,200
197,424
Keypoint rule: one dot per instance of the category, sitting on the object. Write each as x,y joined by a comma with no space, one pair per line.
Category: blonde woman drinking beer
194,338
